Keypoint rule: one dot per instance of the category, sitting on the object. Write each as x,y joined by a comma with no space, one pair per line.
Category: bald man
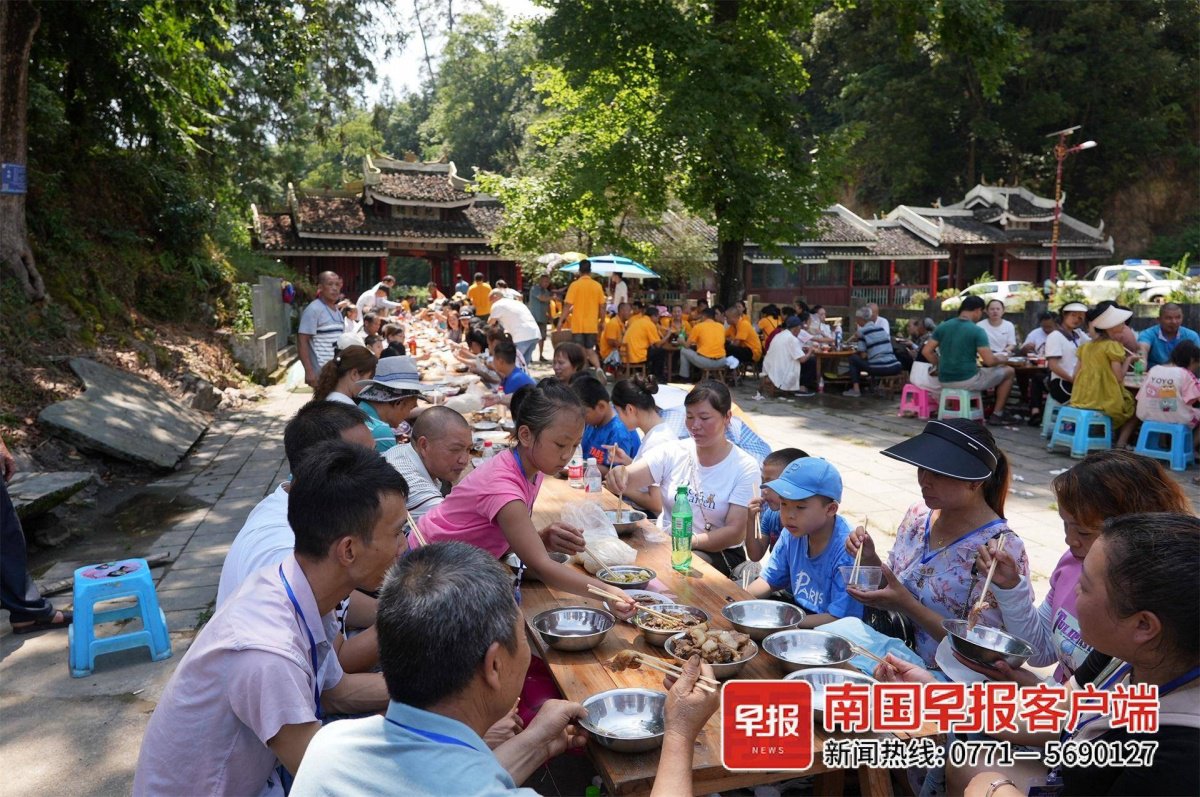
321,325
434,460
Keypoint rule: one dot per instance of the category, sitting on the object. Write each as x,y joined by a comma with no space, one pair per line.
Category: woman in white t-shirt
633,399
1001,334
721,479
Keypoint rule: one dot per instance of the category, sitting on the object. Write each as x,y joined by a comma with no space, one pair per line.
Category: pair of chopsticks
620,500
858,557
667,668
604,568
987,584
621,598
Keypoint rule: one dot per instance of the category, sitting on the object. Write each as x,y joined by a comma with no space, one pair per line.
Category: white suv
1004,291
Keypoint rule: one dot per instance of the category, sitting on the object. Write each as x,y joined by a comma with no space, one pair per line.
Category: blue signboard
12,178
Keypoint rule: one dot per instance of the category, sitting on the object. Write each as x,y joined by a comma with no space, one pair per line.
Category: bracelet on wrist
996,784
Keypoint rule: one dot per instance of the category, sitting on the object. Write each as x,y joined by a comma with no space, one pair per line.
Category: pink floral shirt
941,579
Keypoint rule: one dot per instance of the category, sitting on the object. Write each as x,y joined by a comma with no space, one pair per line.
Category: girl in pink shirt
492,508
1104,484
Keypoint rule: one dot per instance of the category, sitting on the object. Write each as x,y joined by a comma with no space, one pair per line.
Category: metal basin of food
659,636
721,672
626,720
514,561
761,618
638,576
986,646
820,677
573,627
804,648
644,598
630,518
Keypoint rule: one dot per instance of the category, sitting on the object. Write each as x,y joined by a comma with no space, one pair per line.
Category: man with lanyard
321,325
251,691
446,687
1156,343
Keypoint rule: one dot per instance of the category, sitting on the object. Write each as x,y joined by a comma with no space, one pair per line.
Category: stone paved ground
58,730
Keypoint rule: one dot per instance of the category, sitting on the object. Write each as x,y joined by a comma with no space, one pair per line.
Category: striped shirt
325,324
878,345
424,492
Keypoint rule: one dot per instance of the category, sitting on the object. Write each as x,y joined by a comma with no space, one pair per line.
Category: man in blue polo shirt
1157,342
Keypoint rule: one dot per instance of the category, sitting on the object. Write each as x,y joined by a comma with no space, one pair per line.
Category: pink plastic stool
918,400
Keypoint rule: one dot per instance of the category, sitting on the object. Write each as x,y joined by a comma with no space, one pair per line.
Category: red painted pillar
520,277
933,278
891,289
383,267
1004,269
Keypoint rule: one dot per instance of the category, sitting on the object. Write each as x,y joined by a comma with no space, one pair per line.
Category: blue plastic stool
1049,414
1177,438
1073,428
105,582
966,404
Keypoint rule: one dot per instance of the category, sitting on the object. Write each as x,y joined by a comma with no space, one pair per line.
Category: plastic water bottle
575,469
681,531
593,484
837,337
488,449
1139,368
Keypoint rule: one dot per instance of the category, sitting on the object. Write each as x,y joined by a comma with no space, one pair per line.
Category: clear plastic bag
599,535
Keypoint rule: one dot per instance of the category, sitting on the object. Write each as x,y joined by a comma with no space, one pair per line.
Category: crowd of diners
367,636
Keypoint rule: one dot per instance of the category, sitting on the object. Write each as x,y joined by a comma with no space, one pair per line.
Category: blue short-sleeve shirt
1160,347
516,380
595,438
815,583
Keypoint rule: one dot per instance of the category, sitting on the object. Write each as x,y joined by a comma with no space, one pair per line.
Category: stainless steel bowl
644,598
514,561
820,677
721,672
804,648
761,618
573,627
626,720
986,646
630,518
638,584
658,637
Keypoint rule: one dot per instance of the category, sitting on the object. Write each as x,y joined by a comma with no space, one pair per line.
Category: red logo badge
766,725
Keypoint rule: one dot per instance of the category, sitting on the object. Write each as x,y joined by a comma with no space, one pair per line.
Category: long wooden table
583,674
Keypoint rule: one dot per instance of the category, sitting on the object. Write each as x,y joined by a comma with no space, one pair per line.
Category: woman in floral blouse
931,574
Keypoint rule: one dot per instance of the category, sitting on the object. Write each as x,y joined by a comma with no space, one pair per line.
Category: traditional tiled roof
897,242
670,228
485,218
275,232
419,187
969,230
343,215
834,227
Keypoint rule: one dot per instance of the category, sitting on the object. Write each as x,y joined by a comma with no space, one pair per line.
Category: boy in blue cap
807,558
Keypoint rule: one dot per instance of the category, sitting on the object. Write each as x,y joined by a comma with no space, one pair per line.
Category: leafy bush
917,301
243,314
947,293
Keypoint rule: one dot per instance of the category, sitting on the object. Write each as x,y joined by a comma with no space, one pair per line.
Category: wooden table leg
830,784
875,782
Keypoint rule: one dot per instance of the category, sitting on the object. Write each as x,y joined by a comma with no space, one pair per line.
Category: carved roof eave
375,196
928,230
395,239
998,195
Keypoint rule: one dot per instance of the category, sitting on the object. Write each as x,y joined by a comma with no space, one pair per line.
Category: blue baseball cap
804,478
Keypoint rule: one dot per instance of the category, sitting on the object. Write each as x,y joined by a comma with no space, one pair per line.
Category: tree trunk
18,22
730,264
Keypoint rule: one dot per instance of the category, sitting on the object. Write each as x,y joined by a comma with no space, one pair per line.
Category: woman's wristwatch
995,784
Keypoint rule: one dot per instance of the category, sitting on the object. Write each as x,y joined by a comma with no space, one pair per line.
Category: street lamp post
1061,151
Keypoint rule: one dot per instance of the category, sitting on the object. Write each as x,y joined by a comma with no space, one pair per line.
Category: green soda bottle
681,531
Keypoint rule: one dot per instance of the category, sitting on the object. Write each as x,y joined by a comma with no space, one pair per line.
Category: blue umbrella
614,264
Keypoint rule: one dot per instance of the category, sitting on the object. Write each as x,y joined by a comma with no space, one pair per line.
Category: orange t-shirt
613,330
744,335
709,337
767,325
480,295
586,297
640,335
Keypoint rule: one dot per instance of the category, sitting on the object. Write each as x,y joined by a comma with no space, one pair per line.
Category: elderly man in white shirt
434,460
371,299
517,321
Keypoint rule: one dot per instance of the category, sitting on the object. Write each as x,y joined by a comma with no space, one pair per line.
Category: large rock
125,416
37,492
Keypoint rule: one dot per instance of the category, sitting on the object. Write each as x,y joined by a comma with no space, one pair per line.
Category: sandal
44,625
